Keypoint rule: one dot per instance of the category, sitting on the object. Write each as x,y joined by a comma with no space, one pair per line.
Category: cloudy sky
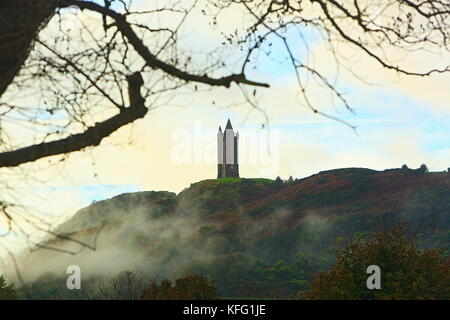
400,120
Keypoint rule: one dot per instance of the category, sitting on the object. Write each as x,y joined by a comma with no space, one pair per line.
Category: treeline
408,273
125,286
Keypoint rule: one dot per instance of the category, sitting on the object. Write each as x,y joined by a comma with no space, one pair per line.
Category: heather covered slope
250,232
311,213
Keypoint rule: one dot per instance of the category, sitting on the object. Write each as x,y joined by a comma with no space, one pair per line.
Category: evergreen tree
7,291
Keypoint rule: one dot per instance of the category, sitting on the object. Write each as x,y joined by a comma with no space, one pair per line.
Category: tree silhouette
423,168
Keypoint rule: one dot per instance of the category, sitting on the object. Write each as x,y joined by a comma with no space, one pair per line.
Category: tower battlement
227,152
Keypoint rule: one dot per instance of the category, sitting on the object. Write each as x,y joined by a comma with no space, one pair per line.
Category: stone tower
227,152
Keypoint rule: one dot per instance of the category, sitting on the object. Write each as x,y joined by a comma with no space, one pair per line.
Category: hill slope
237,229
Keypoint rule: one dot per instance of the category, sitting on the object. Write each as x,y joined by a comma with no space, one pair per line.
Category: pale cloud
431,92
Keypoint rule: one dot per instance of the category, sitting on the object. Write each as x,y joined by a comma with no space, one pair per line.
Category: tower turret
220,153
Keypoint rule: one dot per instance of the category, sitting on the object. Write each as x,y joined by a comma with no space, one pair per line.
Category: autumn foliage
191,287
406,271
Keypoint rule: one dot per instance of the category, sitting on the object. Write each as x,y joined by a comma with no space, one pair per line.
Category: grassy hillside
251,234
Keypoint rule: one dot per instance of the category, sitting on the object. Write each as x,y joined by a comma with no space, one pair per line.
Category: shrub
406,271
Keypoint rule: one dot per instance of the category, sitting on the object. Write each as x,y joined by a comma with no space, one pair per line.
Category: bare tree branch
151,60
91,137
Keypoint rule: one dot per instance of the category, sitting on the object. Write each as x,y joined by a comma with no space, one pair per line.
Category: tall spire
228,125
227,152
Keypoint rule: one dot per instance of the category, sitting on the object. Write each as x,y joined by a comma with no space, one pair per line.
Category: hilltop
232,228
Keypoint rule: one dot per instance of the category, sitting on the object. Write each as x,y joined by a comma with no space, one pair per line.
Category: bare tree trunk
20,21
